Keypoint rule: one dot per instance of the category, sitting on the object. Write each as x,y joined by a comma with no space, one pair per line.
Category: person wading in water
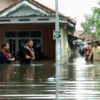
95,52
26,52
5,56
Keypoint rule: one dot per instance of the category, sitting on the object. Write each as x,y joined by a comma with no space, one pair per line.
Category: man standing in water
26,53
5,56
95,52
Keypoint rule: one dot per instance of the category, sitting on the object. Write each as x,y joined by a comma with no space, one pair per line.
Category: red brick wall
47,35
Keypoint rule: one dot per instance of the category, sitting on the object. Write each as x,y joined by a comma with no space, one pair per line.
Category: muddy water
78,81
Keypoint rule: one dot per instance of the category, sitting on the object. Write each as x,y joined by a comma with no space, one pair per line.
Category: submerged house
28,18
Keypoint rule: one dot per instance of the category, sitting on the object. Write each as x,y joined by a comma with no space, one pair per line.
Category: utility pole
57,50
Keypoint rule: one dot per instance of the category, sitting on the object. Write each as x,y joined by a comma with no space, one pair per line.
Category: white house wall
64,44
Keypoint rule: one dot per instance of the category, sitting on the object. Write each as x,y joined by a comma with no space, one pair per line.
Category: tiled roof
79,32
72,20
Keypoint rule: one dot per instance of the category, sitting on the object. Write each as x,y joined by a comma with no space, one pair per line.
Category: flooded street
42,44
78,81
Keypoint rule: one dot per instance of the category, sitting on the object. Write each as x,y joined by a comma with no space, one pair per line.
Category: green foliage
96,11
98,32
92,21
85,26
98,23
88,24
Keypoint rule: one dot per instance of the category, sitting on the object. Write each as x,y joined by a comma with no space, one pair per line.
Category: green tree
84,25
96,13
92,21
88,24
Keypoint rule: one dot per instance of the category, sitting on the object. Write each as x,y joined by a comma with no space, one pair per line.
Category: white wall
65,50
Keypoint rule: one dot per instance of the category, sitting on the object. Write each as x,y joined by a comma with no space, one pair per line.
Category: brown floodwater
78,81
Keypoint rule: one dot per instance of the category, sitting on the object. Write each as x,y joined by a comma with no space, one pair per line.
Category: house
79,32
28,18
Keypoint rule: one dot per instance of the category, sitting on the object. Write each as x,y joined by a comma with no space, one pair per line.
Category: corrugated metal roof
35,3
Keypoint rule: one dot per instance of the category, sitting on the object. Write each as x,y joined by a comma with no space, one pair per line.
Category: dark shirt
22,54
3,59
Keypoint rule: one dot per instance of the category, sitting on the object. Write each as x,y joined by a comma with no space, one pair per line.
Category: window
16,39
35,34
11,34
23,33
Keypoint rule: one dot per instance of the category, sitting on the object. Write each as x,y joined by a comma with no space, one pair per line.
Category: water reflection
85,83
78,81
26,81
10,73
6,73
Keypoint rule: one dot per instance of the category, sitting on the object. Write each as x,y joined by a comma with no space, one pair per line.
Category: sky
73,8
